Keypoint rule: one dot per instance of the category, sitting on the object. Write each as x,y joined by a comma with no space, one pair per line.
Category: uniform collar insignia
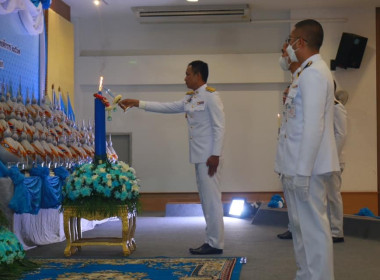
190,92
307,65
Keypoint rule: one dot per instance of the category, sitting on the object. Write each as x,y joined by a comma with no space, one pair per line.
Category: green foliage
108,207
3,220
15,270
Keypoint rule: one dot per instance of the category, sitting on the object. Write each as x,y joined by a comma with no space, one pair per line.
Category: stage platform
353,225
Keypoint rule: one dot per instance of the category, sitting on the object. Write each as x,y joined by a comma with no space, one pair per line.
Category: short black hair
312,32
201,67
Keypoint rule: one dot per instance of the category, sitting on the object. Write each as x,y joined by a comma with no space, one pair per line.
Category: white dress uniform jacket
205,118
305,147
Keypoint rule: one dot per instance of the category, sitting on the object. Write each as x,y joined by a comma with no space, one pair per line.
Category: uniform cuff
142,104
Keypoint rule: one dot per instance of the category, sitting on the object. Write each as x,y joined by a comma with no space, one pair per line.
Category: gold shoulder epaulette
210,89
190,92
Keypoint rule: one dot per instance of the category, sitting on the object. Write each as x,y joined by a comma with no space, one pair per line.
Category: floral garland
102,187
108,107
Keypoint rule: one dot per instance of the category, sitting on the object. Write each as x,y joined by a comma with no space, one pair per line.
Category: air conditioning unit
192,13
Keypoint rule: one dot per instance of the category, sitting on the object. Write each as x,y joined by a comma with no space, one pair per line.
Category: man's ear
199,76
302,42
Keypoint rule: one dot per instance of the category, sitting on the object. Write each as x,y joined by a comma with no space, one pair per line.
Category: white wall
148,62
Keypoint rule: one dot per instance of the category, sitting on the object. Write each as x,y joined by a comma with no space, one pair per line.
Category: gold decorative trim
73,231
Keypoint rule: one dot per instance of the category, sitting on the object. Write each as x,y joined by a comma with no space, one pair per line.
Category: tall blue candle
100,126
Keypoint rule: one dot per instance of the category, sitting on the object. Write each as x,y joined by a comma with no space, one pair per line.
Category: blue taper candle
100,126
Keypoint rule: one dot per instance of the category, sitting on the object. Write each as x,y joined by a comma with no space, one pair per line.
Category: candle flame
101,83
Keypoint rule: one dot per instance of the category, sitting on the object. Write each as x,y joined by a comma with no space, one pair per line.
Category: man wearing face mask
294,68
334,197
287,65
307,153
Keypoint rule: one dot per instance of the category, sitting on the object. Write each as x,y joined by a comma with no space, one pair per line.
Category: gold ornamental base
72,226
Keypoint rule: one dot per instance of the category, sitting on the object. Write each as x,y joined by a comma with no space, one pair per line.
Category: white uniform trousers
211,200
310,228
335,204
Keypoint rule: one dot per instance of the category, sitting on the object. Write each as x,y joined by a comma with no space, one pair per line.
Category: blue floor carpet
160,268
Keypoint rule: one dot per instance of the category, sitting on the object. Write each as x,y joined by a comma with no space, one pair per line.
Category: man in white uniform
307,154
294,68
334,197
206,125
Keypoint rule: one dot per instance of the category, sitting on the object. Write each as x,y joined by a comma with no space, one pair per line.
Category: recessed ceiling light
192,0
96,2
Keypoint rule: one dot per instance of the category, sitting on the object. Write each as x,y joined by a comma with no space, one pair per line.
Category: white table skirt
32,230
44,228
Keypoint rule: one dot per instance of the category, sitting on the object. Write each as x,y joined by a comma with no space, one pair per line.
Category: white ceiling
86,8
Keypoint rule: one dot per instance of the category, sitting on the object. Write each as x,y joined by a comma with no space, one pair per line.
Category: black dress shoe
205,249
286,235
338,239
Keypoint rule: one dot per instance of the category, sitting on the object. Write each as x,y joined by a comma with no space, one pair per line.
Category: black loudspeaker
351,50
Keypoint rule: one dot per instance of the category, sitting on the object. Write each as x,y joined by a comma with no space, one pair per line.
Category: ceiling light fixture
98,2
192,0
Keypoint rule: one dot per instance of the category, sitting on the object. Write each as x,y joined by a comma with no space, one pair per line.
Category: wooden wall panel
61,8
352,201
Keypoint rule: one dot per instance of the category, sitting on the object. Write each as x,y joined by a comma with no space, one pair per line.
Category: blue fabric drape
62,173
40,190
3,170
367,212
45,3
27,193
51,190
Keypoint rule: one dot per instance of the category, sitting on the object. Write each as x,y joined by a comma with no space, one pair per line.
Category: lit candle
100,127
100,84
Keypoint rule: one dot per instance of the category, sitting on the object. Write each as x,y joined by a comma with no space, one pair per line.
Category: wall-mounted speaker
350,51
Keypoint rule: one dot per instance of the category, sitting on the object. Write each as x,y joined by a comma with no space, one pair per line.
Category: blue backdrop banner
19,56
